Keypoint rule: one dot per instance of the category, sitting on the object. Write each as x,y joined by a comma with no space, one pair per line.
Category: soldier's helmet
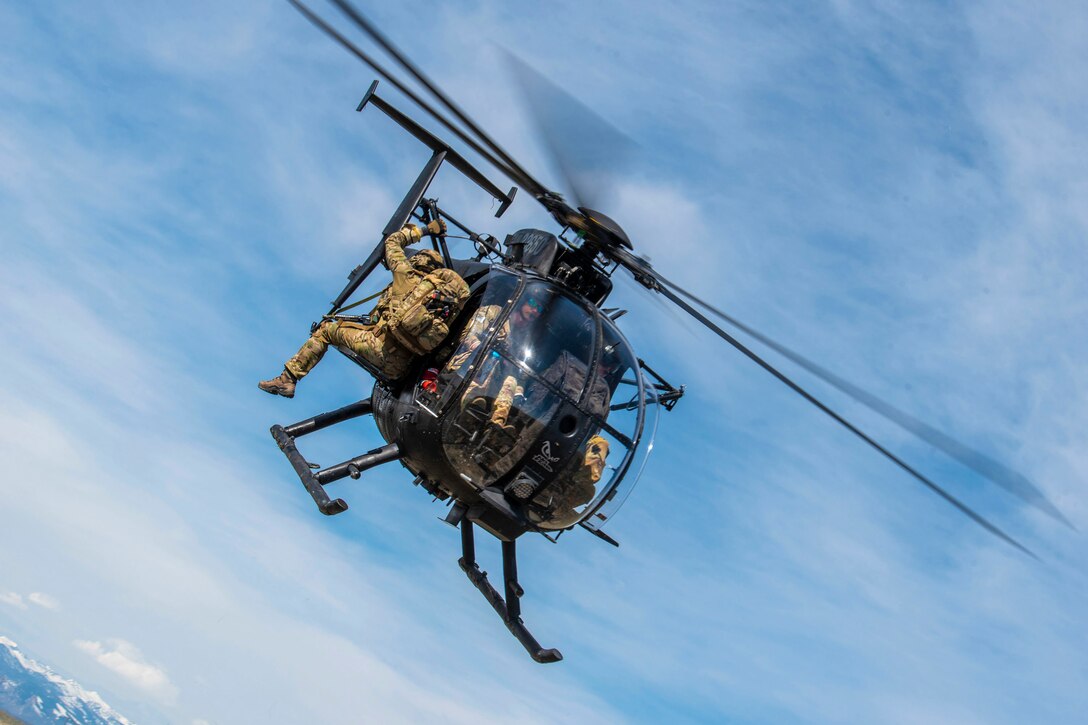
426,260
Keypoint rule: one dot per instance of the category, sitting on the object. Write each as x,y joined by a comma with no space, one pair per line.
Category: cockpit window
544,399
522,361
543,324
479,331
592,478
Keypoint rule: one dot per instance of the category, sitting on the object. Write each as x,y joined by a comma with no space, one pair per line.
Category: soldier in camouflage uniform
577,487
526,312
568,374
370,342
584,480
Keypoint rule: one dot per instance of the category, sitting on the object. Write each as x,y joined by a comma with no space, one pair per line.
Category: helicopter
535,414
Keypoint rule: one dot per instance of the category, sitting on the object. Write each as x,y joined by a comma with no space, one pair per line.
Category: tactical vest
420,321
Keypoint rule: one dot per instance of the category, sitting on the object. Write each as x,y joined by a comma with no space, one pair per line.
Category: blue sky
895,189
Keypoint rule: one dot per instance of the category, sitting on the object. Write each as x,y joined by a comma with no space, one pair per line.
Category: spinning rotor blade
476,138
534,187
494,154
580,141
316,20
1012,481
645,274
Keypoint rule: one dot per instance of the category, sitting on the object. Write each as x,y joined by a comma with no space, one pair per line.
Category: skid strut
510,609
315,481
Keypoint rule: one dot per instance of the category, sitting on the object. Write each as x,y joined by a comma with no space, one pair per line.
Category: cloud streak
124,659
40,599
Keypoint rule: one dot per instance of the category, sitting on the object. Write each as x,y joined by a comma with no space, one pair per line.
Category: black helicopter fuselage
513,417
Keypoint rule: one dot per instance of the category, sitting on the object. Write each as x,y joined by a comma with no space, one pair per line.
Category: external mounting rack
440,152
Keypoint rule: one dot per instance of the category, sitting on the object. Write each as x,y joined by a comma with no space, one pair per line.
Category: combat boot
283,384
475,408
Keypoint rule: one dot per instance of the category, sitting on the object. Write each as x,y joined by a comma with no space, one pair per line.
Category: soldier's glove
436,227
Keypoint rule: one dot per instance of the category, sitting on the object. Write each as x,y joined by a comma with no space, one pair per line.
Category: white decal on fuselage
545,459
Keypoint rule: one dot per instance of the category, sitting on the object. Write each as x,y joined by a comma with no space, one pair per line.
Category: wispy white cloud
124,659
44,600
19,601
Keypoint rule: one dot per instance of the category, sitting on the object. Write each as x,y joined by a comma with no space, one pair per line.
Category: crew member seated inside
411,318
519,375
576,486
486,386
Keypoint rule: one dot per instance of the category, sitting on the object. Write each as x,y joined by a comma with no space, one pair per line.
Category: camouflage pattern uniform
368,342
568,374
504,400
475,333
589,473
371,342
509,389
574,488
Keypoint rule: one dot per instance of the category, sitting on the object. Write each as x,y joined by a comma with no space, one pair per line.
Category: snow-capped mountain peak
35,694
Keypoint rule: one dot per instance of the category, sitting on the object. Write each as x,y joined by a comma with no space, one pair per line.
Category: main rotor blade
317,21
584,147
643,271
1012,481
533,187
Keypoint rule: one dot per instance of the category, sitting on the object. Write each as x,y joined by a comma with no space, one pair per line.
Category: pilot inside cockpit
544,364
557,504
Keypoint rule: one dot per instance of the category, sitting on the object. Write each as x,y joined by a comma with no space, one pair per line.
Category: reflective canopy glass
478,333
614,447
629,429
527,398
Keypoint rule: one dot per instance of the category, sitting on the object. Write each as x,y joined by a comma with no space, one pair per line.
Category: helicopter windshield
628,430
545,400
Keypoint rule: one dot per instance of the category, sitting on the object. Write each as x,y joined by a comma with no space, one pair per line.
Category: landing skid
315,481
510,608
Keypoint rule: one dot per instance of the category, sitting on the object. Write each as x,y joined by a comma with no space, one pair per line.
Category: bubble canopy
544,399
